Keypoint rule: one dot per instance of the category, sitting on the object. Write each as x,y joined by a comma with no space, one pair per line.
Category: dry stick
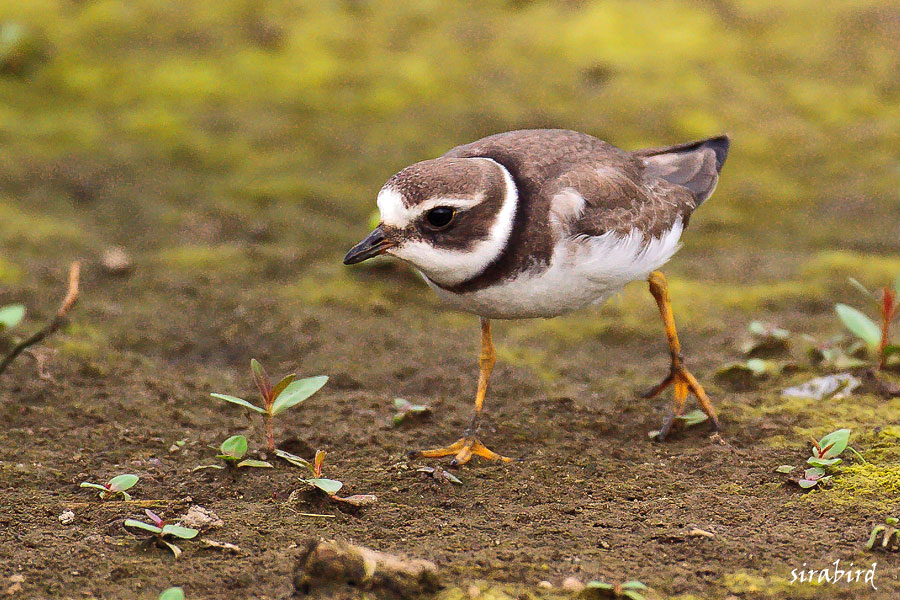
58,321
113,503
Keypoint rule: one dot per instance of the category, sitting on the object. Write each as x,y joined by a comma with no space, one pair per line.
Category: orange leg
679,377
468,446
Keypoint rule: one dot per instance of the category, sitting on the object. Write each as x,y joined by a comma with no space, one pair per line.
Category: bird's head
448,217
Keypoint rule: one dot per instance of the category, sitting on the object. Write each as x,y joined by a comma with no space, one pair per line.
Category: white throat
444,266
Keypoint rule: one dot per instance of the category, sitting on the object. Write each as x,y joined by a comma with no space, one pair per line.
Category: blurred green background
197,133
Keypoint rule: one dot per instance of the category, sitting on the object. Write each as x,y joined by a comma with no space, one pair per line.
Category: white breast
582,270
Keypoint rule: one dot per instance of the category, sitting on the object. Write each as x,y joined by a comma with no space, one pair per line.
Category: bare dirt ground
594,497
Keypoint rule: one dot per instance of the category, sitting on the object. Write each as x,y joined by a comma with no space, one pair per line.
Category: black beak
374,244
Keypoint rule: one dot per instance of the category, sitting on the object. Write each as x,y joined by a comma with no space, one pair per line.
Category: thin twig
114,503
306,514
58,321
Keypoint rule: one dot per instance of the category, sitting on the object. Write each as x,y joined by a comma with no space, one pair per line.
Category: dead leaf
225,546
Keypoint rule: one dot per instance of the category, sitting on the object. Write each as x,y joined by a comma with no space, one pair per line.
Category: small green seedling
629,589
890,536
114,487
276,398
825,453
162,531
172,593
329,486
765,340
11,315
814,476
406,409
875,337
695,417
232,451
830,354
440,475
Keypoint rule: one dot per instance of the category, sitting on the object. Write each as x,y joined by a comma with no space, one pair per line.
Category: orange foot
683,383
464,449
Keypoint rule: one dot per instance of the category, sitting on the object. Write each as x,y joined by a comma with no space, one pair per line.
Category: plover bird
539,223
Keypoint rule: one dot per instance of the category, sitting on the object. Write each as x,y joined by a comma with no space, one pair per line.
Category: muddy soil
593,498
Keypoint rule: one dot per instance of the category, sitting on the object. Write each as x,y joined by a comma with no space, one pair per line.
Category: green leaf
297,392
694,417
125,496
96,486
807,483
891,349
784,469
633,585
261,378
892,520
329,486
875,531
599,585
295,460
240,401
860,325
142,525
175,549
814,472
837,440
285,381
173,593
823,462
255,463
120,483
11,315
178,531
234,447
401,404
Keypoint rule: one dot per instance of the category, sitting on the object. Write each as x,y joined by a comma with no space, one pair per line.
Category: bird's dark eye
440,217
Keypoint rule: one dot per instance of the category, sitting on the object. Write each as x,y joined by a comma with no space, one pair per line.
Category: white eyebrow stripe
458,203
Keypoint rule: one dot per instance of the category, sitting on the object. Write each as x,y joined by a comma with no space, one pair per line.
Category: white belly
582,271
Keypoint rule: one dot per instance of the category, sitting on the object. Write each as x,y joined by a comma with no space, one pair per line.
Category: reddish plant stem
270,433
58,321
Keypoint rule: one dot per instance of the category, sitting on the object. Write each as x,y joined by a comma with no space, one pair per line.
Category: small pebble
695,532
545,585
201,518
570,584
116,261
66,517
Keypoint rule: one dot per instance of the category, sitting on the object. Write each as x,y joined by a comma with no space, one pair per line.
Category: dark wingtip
720,145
